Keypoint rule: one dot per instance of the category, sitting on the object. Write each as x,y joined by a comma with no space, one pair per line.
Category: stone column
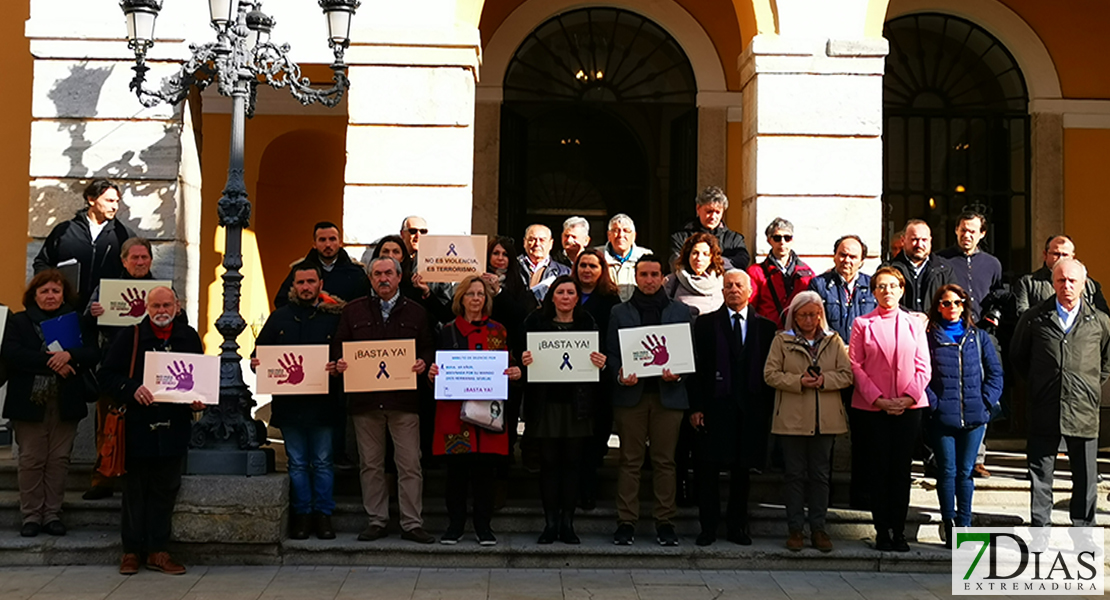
812,151
410,138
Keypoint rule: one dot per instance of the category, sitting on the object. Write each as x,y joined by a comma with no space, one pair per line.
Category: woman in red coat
471,453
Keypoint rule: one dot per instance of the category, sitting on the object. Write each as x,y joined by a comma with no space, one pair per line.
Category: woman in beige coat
808,366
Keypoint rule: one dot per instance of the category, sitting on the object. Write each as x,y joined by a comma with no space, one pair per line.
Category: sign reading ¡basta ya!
562,356
379,366
450,258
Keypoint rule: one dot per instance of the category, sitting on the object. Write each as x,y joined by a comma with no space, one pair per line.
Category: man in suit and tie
730,406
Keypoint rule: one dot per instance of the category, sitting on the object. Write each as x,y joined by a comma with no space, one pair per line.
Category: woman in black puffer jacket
963,395
47,396
560,415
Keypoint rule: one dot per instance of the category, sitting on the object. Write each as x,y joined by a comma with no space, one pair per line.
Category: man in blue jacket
976,271
847,295
649,409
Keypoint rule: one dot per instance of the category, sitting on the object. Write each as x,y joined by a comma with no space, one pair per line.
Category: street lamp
226,439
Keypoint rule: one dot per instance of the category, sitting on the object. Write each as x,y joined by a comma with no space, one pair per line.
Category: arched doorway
599,117
956,134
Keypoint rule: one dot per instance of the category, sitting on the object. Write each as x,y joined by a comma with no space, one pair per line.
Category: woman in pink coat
890,361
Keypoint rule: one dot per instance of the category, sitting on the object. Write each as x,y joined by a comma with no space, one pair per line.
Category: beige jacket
795,406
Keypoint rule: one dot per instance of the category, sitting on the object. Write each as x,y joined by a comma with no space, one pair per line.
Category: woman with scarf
696,280
808,366
889,352
561,414
472,454
598,297
48,389
963,394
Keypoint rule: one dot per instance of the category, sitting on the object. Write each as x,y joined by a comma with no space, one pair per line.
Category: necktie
738,330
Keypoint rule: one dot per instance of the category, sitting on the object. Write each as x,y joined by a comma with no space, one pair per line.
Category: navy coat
839,311
967,378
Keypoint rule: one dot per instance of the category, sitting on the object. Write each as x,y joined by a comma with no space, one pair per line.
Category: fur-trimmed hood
332,305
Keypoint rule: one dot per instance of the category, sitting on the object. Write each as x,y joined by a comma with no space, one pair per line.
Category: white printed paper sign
379,366
182,378
562,356
647,350
451,258
284,370
472,375
124,300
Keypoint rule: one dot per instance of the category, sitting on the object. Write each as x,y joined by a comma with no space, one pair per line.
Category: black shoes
946,531
740,537
299,526
550,528
882,541
452,536
566,530
30,529
665,535
485,537
624,535
324,529
705,538
371,533
54,527
899,543
418,535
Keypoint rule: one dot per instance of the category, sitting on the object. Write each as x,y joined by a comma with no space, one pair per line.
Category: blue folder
65,330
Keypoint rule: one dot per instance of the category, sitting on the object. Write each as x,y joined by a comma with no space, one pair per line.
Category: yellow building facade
486,116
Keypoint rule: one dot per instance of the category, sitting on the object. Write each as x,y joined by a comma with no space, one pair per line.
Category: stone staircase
1001,500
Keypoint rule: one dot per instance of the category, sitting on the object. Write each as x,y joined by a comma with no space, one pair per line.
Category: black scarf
650,307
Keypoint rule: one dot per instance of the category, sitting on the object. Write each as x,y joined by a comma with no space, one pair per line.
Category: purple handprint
136,302
294,369
658,349
184,377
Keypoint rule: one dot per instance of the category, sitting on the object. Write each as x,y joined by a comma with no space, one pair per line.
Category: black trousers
466,471
707,477
560,472
859,488
149,491
595,450
892,440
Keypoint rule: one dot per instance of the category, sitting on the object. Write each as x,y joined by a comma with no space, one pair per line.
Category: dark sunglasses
414,231
779,238
951,303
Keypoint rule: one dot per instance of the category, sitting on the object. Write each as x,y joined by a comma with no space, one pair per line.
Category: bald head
161,306
1069,277
737,289
1058,248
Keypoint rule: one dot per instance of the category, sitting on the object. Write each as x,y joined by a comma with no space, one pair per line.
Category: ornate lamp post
226,439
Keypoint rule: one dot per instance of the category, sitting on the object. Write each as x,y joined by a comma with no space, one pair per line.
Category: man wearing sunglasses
711,206
411,229
781,276
344,278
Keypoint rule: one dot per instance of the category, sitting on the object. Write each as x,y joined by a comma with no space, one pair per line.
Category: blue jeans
311,478
956,450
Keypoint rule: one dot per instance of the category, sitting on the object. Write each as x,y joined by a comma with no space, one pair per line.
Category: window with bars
956,134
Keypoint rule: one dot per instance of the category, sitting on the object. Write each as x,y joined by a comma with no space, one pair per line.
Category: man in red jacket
387,315
780,276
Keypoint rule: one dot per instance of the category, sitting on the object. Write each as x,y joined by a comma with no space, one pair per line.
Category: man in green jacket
1063,347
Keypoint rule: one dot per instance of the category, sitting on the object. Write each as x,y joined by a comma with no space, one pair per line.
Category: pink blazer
873,352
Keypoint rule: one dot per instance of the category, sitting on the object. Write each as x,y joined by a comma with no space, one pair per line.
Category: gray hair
1068,261
779,223
734,271
712,195
537,226
406,220
622,219
576,221
396,264
803,299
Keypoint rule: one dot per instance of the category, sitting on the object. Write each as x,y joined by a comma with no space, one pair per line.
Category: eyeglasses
806,316
414,231
779,238
951,303
886,287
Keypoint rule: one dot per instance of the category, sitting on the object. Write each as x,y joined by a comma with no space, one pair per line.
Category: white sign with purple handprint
124,300
292,369
182,378
646,351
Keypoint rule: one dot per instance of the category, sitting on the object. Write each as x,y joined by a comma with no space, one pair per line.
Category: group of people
786,360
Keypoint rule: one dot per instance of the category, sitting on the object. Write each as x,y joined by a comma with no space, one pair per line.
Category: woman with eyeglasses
808,366
963,395
781,276
889,352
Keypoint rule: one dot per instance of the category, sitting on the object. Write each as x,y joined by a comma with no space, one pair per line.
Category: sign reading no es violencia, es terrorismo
450,258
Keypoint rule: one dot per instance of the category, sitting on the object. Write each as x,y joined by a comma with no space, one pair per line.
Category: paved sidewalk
346,583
